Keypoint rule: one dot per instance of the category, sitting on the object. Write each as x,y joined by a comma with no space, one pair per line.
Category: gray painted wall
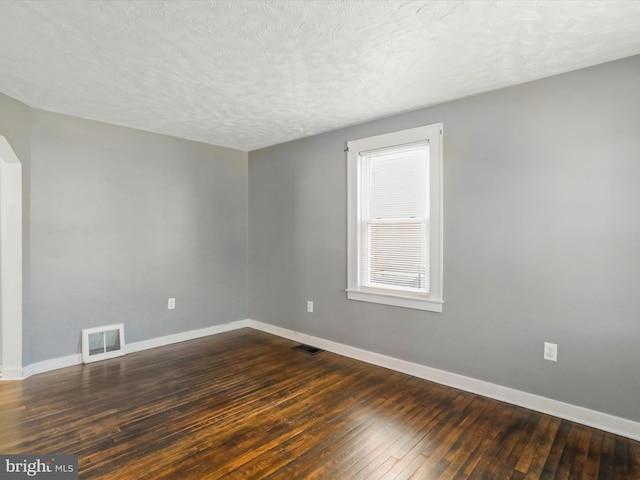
542,240
15,126
121,220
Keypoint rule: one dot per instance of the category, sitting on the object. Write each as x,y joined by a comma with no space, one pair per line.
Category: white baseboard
10,373
52,364
184,336
76,359
574,413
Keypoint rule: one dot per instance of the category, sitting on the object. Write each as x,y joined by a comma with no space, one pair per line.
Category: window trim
434,300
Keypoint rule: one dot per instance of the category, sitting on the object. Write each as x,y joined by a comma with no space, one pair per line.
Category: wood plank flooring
245,405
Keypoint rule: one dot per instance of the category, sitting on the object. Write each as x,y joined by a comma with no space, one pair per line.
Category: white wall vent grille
100,343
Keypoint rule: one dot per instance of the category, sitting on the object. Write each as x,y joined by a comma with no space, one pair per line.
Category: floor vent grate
308,349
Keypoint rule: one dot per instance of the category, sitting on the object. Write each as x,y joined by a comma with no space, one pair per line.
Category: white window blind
394,227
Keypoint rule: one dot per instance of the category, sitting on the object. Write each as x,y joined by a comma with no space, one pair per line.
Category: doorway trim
10,263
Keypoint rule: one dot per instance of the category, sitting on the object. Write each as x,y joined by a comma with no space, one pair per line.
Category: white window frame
355,289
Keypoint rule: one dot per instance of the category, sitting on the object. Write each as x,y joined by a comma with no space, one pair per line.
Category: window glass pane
395,216
398,184
398,255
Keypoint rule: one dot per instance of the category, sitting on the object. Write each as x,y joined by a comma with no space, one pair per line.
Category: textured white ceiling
248,74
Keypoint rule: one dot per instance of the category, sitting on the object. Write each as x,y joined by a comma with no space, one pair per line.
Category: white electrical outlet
310,306
551,351
171,305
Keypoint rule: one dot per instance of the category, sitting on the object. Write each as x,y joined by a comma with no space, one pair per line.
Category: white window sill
428,304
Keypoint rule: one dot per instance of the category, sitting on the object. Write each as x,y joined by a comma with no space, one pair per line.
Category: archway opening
10,263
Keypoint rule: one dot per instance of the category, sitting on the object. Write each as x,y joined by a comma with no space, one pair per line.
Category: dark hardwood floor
245,405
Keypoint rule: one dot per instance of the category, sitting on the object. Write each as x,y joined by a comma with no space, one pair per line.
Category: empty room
348,239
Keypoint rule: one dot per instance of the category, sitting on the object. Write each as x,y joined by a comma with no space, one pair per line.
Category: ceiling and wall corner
249,74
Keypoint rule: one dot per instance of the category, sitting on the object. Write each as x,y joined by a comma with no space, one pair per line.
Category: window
395,218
